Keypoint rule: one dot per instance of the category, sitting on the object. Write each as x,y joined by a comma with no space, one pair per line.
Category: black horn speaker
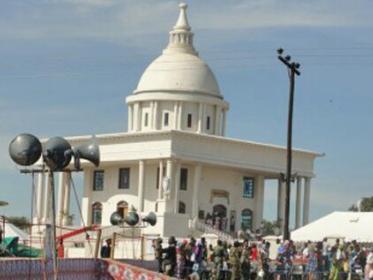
25,149
89,151
116,219
151,218
57,153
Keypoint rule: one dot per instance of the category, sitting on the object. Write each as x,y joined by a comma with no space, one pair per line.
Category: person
218,256
368,272
245,260
169,262
106,249
180,260
60,249
234,260
157,245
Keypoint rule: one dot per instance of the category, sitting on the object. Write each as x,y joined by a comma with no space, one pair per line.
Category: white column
259,200
87,194
200,118
176,109
130,112
160,182
306,202
217,120
140,194
196,185
298,202
39,198
169,175
281,203
136,117
60,197
66,200
180,116
155,116
47,204
224,122
176,186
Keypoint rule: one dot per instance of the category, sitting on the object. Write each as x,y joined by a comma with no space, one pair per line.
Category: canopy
344,225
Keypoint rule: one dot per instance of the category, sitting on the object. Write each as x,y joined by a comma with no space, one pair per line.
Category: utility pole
292,68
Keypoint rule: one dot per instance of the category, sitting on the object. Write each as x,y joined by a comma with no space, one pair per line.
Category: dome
179,72
179,68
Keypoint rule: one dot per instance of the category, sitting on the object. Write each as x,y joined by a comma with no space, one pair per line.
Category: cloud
121,20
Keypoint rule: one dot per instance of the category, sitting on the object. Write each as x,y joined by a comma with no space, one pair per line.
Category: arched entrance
219,217
122,208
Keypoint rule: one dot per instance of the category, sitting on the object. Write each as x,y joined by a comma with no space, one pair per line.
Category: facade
175,159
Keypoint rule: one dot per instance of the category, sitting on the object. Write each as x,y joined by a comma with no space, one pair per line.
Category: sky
66,67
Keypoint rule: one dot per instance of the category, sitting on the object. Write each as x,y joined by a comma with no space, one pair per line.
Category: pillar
66,200
306,201
60,197
155,116
136,117
39,198
281,203
224,122
176,187
298,202
217,120
200,118
130,113
196,185
176,119
160,182
169,173
140,194
259,200
46,202
87,194
180,116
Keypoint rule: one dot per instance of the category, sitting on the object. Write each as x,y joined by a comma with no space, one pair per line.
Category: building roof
179,68
344,225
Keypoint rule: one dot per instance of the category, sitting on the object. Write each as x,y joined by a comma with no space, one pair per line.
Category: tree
269,228
20,222
365,205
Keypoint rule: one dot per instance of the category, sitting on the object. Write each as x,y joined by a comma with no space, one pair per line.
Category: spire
181,37
182,21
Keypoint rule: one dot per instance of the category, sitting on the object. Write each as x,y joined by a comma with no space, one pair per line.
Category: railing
201,226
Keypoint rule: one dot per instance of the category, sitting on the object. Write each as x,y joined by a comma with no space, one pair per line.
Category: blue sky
67,65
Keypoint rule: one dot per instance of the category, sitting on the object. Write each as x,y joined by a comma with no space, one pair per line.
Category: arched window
96,213
182,207
122,208
246,219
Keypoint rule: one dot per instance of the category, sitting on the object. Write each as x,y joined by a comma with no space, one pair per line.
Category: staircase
195,224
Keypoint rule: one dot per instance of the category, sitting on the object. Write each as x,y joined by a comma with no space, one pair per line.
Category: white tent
344,225
13,231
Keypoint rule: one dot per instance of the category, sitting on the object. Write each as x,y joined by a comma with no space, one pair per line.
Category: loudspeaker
116,219
132,218
57,153
25,149
89,151
151,218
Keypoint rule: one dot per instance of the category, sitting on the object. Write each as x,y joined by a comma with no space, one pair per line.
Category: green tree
366,205
268,227
20,222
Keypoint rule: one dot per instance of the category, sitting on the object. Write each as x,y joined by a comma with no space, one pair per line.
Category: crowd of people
192,259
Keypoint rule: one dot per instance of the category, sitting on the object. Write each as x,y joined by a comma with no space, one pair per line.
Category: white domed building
175,159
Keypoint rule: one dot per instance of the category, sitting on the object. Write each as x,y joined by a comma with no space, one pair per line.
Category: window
189,120
164,173
246,219
146,119
98,180
165,119
181,207
248,187
183,179
122,208
96,213
208,123
124,178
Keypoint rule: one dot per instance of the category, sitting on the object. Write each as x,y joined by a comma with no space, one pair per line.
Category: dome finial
182,21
